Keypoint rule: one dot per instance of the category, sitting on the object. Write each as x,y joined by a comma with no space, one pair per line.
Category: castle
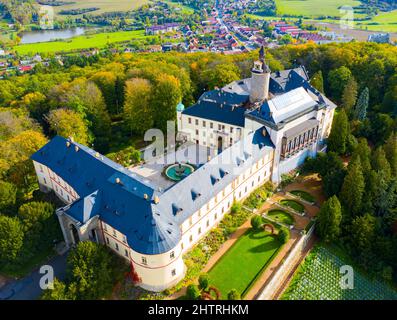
251,131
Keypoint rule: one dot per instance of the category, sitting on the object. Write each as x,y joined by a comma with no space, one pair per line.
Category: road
28,288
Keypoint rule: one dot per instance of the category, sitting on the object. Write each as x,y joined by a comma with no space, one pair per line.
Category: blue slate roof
150,228
218,105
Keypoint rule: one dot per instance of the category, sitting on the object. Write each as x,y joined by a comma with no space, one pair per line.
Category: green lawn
281,216
243,262
303,195
99,40
313,8
384,21
295,205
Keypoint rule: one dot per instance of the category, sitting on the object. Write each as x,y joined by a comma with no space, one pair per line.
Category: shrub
256,222
233,295
192,292
283,235
236,208
203,281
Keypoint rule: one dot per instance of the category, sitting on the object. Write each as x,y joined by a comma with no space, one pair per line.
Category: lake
48,35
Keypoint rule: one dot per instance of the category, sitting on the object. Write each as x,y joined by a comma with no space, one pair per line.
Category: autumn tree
107,82
166,95
138,111
220,75
8,196
69,123
329,219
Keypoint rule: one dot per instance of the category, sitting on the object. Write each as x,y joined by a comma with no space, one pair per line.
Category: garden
244,262
292,204
318,278
303,195
281,216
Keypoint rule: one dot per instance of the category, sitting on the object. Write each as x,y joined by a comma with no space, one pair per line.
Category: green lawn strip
240,266
303,195
98,40
295,205
281,216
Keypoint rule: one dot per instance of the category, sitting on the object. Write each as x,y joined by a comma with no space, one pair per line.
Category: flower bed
281,216
259,196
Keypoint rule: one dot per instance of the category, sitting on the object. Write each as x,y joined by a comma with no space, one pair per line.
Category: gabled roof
115,195
218,105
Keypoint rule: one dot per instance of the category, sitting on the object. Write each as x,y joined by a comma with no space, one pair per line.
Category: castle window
107,240
41,168
197,132
144,261
219,127
211,125
173,272
117,246
208,223
245,190
68,197
126,253
124,239
190,221
45,181
204,124
182,246
191,238
216,216
172,255
196,122
199,231
231,129
114,233
190,120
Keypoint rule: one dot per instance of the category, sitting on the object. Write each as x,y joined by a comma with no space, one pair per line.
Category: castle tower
260,79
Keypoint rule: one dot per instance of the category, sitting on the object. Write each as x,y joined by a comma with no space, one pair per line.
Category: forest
107,102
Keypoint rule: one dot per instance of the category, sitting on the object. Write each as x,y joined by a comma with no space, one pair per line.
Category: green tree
68,123
233,295
11,238
390,148
352,192
204,281
283,235
256,222
364,152
337,80
360,111
381,128
138,112
380,163
329,219
362,235
221,75
60,291
349,95
166,95
107,83
8,196
192,292
91,268
317,81
337,139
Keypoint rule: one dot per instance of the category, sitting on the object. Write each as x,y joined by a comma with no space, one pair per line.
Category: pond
37,36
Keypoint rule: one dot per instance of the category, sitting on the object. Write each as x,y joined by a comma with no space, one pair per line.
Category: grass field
295,205
313,8
243,262
103,5
303,195
384,21
281,216
99,40
318,278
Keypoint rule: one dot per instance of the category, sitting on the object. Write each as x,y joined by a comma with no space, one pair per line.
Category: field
103,5
313,8
243,262
318,278
384,21
99,40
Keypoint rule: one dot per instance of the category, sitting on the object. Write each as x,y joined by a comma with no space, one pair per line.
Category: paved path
28,288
